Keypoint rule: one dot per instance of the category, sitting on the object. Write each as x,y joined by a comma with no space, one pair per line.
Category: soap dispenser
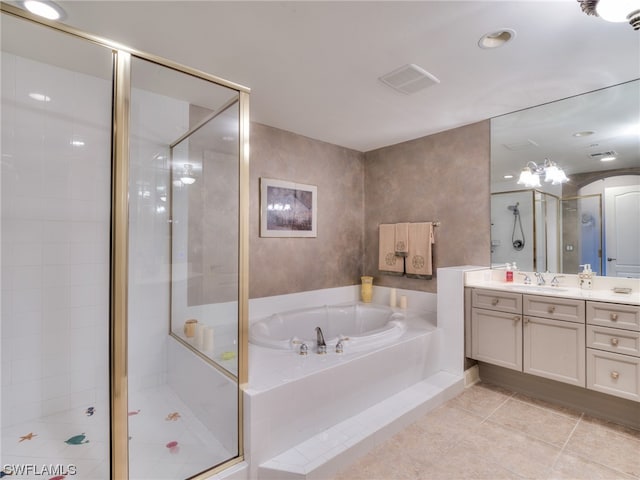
586,277
508,273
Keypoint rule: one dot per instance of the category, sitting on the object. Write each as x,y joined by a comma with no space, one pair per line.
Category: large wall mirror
594,217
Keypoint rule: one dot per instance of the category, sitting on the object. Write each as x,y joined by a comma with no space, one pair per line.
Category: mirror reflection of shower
517,238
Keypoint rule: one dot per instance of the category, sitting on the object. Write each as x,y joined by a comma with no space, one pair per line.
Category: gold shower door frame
119,236
533,192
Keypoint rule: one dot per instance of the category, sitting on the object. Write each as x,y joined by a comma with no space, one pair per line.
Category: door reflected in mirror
594,218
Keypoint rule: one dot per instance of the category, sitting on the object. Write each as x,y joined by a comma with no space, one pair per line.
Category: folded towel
402,239
419,261
388,262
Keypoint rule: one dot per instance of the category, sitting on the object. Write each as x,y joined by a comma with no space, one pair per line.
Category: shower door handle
609,259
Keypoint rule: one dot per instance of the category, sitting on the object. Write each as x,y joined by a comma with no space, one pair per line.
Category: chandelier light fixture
614,10
187,176
530,175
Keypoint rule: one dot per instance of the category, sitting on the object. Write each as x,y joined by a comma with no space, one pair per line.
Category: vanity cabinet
613,349
554,338
589,343
543,336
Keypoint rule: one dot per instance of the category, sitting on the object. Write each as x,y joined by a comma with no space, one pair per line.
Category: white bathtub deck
311,412
324,454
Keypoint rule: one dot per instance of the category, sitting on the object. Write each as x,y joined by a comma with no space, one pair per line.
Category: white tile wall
55,238
156,121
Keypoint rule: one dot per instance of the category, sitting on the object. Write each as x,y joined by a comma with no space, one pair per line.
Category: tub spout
322,346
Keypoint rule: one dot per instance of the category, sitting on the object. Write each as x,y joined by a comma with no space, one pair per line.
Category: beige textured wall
333,259
443,177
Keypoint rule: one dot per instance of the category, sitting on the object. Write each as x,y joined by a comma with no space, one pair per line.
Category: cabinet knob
615,375
614,342
494,302
551,309
516,318
613,316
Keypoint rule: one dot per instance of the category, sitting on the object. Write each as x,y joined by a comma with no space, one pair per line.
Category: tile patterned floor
490,433
158,418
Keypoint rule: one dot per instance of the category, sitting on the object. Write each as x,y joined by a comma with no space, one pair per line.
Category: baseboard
600,405
471,376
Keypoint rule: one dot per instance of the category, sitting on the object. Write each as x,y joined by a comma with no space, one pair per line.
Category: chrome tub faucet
322,346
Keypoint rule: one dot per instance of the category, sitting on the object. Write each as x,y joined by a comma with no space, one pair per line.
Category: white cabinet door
554,349
497,338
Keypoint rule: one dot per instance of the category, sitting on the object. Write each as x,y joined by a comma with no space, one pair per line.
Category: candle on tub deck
199,335
208,339
392,298
403,301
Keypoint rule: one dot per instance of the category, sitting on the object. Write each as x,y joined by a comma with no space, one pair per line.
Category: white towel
402,239
419,261
388,261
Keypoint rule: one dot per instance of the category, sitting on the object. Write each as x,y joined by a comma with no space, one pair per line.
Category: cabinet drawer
613,340
614,374
614,315
566,309
497,300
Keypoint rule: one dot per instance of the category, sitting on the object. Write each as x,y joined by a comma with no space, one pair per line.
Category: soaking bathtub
291,397
359,326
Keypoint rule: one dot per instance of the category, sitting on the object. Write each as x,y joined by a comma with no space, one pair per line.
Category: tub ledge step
328,452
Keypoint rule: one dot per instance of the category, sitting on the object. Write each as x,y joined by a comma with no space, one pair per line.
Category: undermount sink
536,288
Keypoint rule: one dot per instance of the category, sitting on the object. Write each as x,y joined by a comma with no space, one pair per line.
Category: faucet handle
555,282
339,346
304,350
527,278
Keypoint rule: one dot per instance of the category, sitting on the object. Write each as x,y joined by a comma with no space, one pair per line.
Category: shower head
587,219
514,208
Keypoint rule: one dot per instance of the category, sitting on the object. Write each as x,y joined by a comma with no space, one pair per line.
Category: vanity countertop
602,290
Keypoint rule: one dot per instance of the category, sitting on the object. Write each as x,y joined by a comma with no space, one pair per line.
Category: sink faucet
527,279
322,346
540,278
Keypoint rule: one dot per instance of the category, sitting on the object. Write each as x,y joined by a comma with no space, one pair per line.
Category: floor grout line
497,408
566,442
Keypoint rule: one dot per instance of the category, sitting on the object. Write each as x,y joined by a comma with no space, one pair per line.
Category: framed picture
288,209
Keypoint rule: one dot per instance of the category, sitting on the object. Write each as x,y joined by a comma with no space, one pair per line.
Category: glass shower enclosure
124,213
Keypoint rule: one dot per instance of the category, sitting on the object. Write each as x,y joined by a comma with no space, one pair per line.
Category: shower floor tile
166,441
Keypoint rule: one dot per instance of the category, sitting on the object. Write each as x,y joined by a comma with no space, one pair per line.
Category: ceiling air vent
610,153
520,145
409,79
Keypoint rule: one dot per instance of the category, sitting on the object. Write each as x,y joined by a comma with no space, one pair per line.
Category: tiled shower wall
55,239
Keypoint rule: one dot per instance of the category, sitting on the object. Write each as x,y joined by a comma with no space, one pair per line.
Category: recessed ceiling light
607,159
40,97
497,39
585,133
44,8
508,176
77,143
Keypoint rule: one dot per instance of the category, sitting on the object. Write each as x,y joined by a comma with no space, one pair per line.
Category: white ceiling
313,67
